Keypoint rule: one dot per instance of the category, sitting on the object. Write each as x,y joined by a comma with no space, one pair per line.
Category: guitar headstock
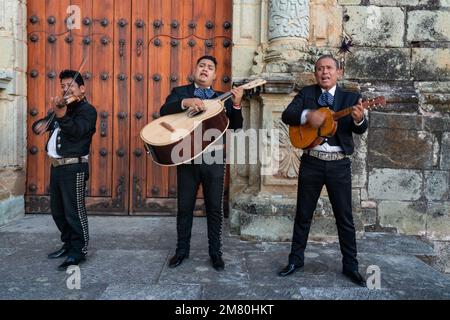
375,102
253,84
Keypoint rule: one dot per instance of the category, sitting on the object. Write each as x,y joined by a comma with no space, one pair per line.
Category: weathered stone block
265,205
445,151
326,23
432,86
368,205
400,96
379,64
234,220
425,25
272,219
7,55
407,217
438,221
12,151
430,64
356,200
396,148
395,121
375,26
13,181
323,229
349,2
4,193
436,185
436,124
368,217
397,3
435,103
242,60
391,184
359,162
268,228
442,254
11,209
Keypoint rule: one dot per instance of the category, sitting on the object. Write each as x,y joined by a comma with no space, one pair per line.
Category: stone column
263,205
287,36
288,19
13,63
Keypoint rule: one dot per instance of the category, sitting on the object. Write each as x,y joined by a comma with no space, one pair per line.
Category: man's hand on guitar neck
358,112
238,93
193,104
315,118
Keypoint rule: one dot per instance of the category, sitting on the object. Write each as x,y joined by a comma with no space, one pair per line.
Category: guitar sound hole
192,114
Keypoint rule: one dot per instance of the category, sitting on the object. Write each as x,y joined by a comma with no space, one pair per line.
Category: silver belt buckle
326,156
64,161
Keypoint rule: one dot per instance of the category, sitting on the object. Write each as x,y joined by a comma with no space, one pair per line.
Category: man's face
74,89
205,73
326,73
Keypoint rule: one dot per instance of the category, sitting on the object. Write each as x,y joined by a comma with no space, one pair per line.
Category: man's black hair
71,74
328,56
208,58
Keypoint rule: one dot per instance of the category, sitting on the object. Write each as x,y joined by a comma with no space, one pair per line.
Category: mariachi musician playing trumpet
71,125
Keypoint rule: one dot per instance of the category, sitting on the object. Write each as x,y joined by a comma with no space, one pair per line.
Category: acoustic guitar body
179,138
306,136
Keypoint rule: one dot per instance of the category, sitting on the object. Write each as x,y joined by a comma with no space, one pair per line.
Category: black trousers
211,176
67,203
336,176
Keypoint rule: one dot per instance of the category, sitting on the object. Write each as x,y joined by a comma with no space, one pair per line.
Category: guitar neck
342,113
224,97
347,111
253,84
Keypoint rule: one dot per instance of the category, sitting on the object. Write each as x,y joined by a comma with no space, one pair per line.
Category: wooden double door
136,52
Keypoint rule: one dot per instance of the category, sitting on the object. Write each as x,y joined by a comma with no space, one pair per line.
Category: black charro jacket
173,105
77,128
308,98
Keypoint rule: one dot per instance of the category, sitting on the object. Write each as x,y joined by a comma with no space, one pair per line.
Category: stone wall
13,61
403,53
401,169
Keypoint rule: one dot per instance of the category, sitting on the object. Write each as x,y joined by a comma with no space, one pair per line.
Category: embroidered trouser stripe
81,209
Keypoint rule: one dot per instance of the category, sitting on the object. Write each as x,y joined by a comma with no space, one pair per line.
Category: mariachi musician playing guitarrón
189,98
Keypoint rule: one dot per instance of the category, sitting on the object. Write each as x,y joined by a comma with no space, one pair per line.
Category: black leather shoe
70,261
58,254
177,259
289,269
355,276
217,263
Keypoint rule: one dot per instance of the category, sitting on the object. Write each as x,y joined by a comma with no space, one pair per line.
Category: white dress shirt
51,146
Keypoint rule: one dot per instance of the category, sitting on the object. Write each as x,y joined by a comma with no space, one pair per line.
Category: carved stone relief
288,18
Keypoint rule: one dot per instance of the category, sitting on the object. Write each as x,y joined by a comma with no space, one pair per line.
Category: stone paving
128,260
